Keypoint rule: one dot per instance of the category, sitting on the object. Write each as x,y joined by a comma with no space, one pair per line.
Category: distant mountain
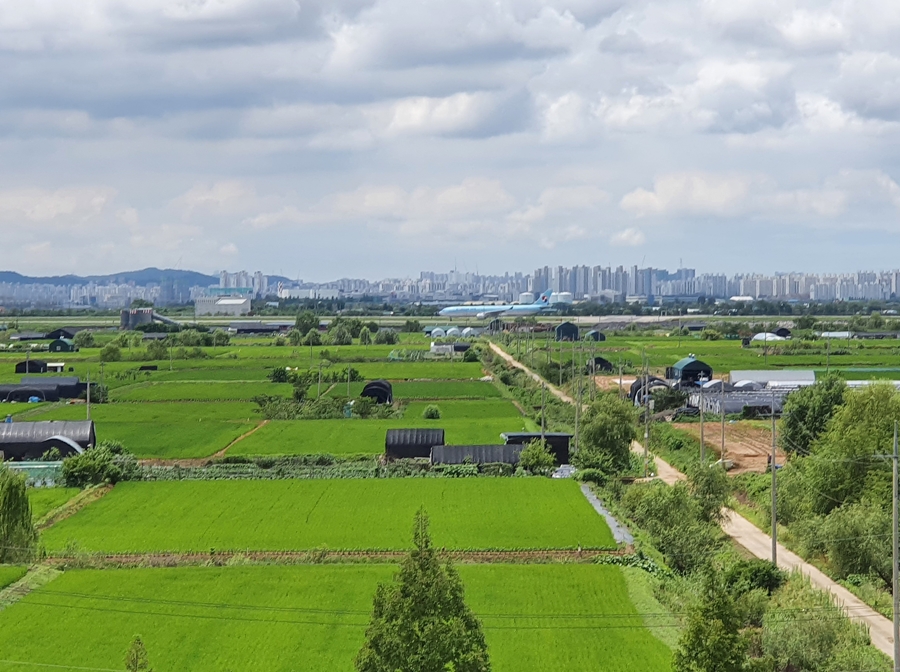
144,277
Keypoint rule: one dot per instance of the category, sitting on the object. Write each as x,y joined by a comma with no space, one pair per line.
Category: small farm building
30,440
642,385
68,387
558,442
28,336
594,335
598,364
784,332
690,370
380,391
567,332
31,366
507,454
63,345
807,377
64,332
406,443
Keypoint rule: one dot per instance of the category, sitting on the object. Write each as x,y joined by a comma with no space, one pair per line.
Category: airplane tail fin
544,298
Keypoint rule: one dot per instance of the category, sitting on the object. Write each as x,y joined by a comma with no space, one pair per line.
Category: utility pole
348,379
702,436
543,401
577,414
319,389
827,355
896,554
722,411
620,377
774,492
89,395
646,402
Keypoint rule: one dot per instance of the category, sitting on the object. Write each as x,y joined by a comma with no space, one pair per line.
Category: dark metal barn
31,366
30,440
380,391
558,442
407,443
567,332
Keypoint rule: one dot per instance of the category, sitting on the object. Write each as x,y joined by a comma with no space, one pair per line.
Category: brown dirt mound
747,445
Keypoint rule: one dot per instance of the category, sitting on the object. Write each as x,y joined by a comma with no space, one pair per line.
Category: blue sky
382,137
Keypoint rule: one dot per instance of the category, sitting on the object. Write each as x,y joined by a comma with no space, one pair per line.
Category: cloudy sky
371,138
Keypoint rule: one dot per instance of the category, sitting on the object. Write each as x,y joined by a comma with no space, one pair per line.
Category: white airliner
484,312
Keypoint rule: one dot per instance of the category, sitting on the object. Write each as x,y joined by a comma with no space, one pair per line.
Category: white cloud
629,237
690,193
224,197
60,207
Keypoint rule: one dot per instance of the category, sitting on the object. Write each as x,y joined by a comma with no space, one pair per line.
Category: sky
377,138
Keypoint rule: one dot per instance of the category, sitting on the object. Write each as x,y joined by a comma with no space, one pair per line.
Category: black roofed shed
407,443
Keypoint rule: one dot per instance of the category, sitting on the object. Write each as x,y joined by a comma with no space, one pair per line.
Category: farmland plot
427,389
45,500
536,618
482,513
201,391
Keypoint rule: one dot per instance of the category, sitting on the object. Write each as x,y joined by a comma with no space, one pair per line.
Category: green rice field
536,618
9,574
45,500
350,437
427,389
200,391
482,513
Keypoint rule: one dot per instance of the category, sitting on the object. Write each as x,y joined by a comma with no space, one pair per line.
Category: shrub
106,463
747,575
594,476
111,353
278,375
471,355
386,337
362,407
536,458
431,412
84,339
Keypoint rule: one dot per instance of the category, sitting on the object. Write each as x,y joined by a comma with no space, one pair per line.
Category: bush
536,458
431,412
386,337
594,476
111,353
278,375
84,339
747,575
106,463
471,355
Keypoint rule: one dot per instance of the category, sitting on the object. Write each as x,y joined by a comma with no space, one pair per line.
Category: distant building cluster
232,294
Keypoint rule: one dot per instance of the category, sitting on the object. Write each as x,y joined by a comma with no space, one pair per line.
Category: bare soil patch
747,445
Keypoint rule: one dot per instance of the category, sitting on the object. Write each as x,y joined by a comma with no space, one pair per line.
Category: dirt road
759,544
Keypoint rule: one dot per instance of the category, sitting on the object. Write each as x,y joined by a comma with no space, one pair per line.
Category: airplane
483,312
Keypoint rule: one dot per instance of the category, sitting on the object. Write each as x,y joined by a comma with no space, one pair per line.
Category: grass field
537,618
339,514
44,500
200,391
347,437
427,389
9,574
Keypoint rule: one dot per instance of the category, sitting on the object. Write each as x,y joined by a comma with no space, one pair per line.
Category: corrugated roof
768,376
418,437
80,431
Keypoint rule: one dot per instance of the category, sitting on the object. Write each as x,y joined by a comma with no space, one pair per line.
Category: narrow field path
37,577
759,544
74,505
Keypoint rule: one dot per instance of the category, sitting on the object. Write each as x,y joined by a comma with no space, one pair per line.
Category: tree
111,353
18,538
157,350
84,339
136,659
536,458
607,430
807,412
365,336
295,336
710,486
420,621
141,303
387,337
372,326
340,335
221,338
412,326
306,321
711,642
312,338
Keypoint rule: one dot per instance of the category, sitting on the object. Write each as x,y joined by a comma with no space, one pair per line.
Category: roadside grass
537,618
361,514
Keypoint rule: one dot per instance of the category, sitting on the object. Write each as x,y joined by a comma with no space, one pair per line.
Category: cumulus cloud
213,125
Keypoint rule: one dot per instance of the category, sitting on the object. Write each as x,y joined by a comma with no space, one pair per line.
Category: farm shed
558,442
31,366
807,377
22,393
30,440
508,454
406,443
28,336
598,364
567,332
64,332
636,391
594,335
784,332
380,391
63,345
69,387
689,369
